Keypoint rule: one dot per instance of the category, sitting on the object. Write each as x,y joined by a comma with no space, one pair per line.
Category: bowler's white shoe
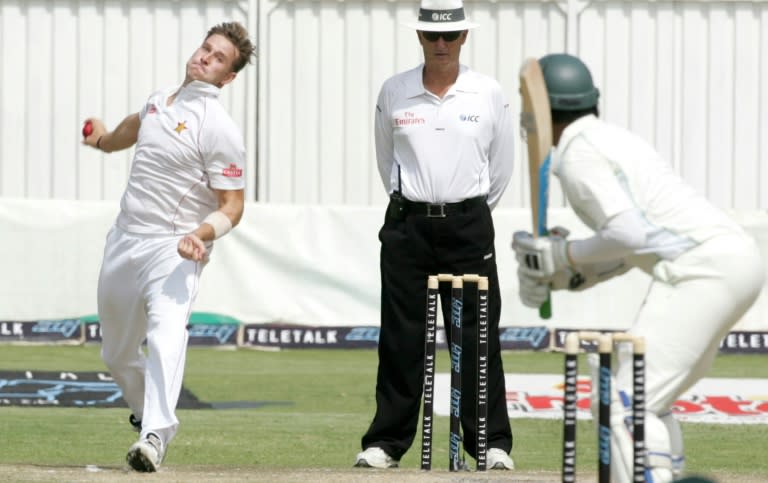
375,457
498,459
146,454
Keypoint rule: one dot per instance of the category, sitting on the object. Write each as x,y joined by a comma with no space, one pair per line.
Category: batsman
704,270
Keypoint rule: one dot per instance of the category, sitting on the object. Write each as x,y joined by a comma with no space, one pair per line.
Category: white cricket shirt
183,150
606,170
449,149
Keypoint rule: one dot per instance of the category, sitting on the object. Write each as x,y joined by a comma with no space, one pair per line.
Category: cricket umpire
444,147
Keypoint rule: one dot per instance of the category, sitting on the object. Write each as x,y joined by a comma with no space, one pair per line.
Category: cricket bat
536,129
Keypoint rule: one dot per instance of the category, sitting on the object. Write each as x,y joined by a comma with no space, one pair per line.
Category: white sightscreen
690,76
62,61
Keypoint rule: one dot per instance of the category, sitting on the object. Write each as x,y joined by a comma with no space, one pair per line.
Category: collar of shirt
574,129
569,134
198,89
414,83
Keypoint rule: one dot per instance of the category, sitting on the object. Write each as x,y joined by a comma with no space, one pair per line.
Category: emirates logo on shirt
232,171
408,119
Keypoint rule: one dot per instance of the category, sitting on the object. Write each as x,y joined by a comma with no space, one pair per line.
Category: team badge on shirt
232,171
181,127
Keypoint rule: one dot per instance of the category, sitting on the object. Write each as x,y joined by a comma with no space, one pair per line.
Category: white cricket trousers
692,304
146,291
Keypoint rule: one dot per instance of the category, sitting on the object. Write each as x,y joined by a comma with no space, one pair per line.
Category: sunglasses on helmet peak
447,36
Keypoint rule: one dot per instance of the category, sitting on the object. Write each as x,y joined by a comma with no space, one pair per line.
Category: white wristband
220,222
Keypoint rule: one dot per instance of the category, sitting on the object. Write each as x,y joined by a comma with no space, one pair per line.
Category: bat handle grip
545,310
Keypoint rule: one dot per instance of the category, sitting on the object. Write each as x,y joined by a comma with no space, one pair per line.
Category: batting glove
533,291
540,257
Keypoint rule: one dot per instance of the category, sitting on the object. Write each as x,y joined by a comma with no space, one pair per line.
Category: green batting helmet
569,83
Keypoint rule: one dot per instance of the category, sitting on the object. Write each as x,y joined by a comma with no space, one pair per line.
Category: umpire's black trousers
413,246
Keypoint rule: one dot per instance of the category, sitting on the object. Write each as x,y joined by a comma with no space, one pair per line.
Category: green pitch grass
331,396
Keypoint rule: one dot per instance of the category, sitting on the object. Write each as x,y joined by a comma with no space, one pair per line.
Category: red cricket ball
87,129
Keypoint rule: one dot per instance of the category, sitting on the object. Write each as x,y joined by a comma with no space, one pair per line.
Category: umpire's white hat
442,16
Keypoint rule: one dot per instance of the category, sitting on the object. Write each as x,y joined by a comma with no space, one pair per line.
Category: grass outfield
331,395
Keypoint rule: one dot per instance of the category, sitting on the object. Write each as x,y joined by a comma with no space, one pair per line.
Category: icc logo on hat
442,16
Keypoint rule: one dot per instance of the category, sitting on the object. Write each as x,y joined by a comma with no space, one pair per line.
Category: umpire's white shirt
183,150
449,149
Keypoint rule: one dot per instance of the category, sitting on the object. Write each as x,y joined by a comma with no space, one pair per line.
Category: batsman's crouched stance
705,270
185,190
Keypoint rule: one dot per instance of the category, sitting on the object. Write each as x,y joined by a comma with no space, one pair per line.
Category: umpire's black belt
441,210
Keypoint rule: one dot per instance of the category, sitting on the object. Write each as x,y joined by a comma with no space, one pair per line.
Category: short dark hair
238,35
566,117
